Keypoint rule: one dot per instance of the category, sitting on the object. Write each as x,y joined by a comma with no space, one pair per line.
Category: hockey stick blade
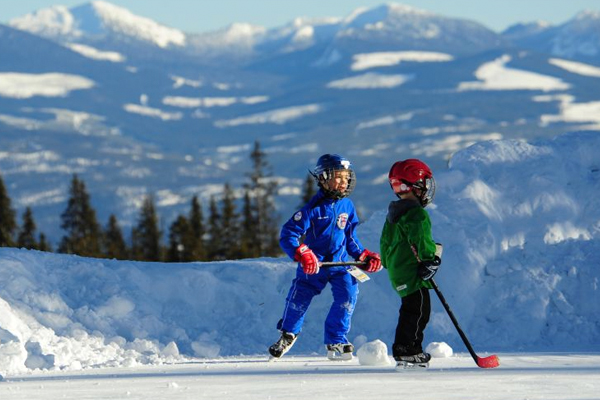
488,362
485,362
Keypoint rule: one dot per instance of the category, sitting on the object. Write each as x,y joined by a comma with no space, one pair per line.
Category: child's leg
345,292
304,288
413,318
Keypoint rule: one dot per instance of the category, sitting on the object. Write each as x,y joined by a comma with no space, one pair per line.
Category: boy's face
339,181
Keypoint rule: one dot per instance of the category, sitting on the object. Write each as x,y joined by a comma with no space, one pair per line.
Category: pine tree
43,244
181,241
146,235
79,221
198,230
262,189
8,224
26,239
215,245
114,244
230,232
248,249
308,190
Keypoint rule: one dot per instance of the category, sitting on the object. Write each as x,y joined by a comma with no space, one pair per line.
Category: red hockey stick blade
488,362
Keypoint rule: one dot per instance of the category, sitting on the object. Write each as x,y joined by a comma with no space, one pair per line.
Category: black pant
414,316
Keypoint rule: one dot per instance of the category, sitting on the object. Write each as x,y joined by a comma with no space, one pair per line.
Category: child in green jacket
409,254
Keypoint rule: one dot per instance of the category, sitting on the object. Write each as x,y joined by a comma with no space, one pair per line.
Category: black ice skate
414,361
340,351
410,357
283,345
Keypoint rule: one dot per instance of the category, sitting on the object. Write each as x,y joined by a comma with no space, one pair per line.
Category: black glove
427,269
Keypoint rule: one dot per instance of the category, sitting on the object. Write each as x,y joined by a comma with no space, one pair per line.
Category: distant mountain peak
376,15
404,27
521,30
385,11
241,30
403,9
96,19
587,15
50,22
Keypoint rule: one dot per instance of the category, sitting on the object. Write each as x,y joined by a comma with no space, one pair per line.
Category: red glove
308,259
372,261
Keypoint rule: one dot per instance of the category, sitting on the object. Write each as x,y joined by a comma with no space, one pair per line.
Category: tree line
230,231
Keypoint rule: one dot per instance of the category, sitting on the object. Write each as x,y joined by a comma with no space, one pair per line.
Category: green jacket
407,230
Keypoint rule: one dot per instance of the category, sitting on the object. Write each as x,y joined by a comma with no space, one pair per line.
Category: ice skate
340,351
283,345
418,361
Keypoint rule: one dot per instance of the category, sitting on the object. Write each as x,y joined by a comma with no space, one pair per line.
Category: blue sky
207,15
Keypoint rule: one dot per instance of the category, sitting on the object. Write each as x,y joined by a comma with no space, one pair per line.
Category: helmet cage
413,176
423,189
325,170
325,175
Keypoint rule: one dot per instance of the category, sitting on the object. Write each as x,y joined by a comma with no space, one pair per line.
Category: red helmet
415,176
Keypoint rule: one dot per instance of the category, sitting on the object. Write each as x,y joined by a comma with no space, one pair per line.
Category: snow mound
439,350
373,353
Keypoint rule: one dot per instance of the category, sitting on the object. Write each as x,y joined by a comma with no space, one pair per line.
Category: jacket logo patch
401,287
298,216
342,220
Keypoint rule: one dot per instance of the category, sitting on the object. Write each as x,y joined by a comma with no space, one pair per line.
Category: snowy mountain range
135,107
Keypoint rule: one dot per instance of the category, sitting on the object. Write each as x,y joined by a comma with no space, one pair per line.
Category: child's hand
308,260
372,260
427,269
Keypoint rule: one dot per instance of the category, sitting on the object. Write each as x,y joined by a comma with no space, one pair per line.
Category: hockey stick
357,273
341,263
486,362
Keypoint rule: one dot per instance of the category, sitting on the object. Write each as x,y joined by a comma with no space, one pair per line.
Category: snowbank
520,224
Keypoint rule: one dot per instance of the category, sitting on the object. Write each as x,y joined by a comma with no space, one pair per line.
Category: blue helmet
327,164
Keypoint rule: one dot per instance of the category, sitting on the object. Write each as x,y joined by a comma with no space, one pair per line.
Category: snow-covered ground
391,58
521,376
520,224
495,75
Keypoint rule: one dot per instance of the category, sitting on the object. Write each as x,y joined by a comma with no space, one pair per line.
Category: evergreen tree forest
238,223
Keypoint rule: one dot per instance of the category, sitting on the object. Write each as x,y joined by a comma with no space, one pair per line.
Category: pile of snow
439,350
520,224
373,353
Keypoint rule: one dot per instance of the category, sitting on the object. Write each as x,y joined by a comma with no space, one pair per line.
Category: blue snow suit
329,226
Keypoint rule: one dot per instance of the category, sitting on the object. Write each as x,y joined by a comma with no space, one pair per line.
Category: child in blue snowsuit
329,221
